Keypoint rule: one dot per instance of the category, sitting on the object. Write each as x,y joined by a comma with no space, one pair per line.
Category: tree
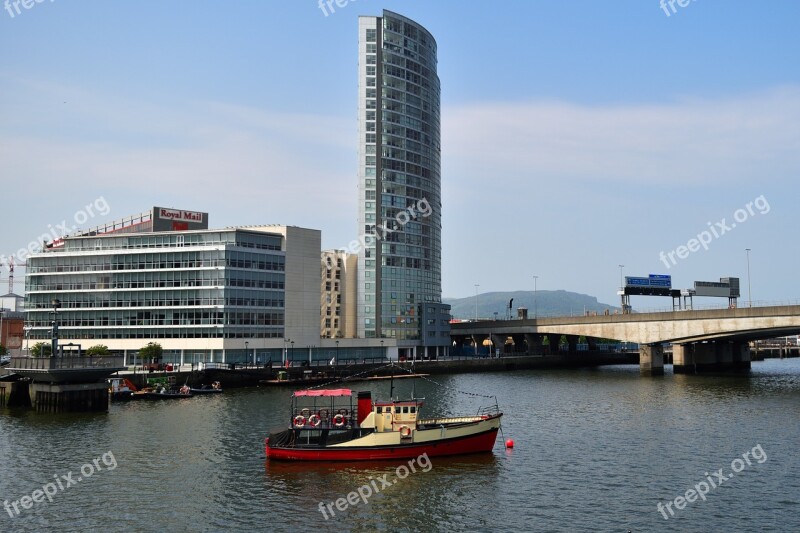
41,349
151,352
98,349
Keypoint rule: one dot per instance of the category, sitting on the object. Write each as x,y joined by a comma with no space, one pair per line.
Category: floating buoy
509,443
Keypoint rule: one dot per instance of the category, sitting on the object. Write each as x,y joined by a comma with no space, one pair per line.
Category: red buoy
509,443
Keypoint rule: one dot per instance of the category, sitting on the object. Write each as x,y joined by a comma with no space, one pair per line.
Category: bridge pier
498,343
69,398
477,340
519,343
715,356
535,346
554,341
651,359
572,342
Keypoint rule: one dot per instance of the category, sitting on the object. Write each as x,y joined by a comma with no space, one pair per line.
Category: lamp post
336,355
476,302
27,340
246,352
749,292
535,314
291,355
56,303
381,348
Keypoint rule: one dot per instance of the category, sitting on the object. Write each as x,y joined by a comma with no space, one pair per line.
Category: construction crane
11,264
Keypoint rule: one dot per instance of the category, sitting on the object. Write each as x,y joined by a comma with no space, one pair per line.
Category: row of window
159,333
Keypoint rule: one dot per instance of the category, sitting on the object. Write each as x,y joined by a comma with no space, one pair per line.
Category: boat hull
479,442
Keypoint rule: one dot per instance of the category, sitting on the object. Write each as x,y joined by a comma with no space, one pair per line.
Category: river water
595,450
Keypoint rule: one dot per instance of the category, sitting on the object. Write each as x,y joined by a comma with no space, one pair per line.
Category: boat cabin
395,416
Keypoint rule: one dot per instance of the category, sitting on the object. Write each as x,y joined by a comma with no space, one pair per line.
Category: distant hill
548,303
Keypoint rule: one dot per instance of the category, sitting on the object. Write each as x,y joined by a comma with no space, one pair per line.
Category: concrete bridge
708,340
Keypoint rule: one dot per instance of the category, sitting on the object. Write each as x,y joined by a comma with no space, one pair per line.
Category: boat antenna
414,381
391,383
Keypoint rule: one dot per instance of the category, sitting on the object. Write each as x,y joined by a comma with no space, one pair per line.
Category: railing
65,363
742,304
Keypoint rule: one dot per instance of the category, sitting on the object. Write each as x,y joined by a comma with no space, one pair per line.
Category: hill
548,303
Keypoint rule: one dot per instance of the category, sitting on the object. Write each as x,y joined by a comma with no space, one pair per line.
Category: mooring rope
408,371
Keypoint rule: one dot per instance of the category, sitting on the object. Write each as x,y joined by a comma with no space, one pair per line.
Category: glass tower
399,264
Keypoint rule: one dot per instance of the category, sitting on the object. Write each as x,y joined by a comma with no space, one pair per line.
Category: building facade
399,266
228,295
338,302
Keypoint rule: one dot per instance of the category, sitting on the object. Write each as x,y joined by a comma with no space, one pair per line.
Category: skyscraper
399,267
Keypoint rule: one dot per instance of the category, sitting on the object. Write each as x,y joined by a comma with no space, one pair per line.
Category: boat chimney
364,405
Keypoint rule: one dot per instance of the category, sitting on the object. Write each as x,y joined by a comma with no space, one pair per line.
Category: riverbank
236,376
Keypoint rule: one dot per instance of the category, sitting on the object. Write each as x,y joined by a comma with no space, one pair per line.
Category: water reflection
595,450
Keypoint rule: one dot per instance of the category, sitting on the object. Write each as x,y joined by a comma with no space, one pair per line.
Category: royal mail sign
180,215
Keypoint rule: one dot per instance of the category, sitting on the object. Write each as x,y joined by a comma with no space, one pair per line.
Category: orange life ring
314,420
339,420
299,421
405,431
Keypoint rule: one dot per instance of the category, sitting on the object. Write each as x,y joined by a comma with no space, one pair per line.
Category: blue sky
577,135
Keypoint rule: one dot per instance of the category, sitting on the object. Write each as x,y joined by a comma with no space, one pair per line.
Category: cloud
690,141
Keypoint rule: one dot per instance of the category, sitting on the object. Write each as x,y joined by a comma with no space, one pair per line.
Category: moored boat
161,393
120,389
214,388
326,425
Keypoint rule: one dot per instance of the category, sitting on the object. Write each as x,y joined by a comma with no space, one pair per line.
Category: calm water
596,450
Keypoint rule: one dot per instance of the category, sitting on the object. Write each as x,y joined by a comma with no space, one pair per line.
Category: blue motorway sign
654,280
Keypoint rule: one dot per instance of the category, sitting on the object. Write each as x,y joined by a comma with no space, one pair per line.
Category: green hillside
548,303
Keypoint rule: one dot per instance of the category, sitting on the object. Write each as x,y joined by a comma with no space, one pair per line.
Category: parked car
4,360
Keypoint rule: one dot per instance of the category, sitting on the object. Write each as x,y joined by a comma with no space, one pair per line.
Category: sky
577,136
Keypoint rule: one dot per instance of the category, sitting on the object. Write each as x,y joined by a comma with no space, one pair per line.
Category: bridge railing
65,363
637,310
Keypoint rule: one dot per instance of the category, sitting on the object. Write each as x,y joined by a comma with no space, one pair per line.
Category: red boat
327,426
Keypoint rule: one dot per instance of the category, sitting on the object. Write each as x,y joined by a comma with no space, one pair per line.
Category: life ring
299,421
314,420
405,431
339,420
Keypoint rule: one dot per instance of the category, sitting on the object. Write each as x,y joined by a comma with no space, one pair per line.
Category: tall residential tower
399,268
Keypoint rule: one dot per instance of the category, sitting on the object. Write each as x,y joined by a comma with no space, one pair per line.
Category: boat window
405,409
378,410
413,410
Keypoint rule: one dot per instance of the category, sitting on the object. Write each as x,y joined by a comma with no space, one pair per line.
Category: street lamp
56,303
27,339
291,355
476,302
336,355
534,296
246,351
381,348
749,292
